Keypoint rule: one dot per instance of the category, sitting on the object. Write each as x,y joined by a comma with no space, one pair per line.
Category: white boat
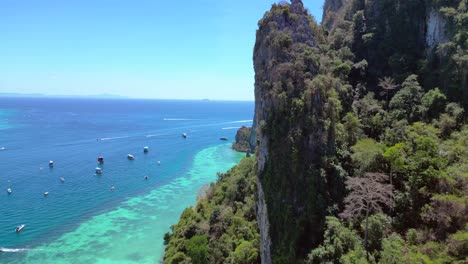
9,191
62,179
46,193
51,163
98,170
184,135
19,228
159,162
112,188
130,157
145,149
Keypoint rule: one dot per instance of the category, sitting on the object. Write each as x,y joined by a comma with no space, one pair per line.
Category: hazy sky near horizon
141,48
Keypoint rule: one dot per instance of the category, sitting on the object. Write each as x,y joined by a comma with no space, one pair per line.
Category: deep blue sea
81,220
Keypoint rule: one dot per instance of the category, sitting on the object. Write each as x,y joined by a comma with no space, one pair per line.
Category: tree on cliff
368,194
388,85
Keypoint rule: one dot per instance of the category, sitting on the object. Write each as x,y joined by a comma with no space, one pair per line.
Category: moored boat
223,138
98,170
62,179
130,157
19,228
184,135
46,193
145,149
100,160
51,164
9,191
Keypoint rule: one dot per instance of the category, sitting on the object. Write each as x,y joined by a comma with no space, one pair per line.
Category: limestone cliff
294,113
400,36
305,77
242,143
331,9
436,29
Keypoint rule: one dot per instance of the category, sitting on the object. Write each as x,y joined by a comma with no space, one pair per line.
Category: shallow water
82,220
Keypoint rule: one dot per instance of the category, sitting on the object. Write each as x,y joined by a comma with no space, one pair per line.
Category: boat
146,177
62,179
159,163
145,149
112,188
19,228
46,193
9,191
130,157
184,135
51,164
100,160
98,170
223,138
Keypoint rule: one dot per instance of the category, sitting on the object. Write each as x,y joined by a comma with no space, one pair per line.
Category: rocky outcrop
242,143
292,111
331,10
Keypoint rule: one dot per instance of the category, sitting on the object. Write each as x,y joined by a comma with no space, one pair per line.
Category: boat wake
240,121
157,135
226,128
178,119
112,138
13,250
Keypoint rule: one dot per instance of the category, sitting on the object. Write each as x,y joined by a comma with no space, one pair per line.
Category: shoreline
138,221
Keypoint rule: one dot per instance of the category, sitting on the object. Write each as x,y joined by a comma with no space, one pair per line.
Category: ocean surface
82,220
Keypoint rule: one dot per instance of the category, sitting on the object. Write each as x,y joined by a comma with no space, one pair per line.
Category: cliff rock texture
331,9
294,112
305,79
242,143
394,37
360,136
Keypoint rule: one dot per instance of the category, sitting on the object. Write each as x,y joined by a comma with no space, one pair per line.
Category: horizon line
112,97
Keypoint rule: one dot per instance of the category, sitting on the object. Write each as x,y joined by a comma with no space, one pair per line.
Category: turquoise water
4,121
82,220
133,232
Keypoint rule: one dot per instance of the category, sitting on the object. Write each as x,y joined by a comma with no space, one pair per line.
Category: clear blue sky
139,48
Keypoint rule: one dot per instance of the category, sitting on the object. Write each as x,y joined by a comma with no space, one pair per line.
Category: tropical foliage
222,227
367,143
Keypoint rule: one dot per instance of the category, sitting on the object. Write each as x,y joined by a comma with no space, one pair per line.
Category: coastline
133,232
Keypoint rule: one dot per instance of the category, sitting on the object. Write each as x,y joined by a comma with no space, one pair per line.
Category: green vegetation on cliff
222,227
341,105
242,143
362,141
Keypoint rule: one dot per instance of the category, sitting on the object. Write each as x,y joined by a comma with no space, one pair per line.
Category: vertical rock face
242,143
330,12
436,32
293,132
263,224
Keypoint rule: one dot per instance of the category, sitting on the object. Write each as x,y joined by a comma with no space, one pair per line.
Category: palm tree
387,84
